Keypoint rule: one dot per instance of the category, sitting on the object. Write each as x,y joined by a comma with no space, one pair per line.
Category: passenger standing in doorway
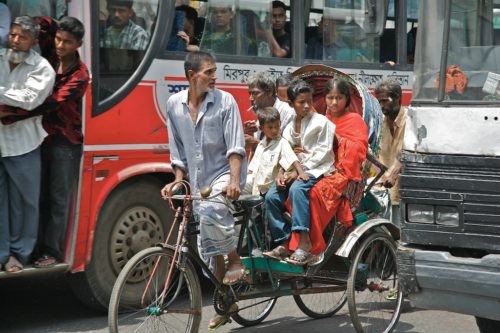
389,95
26,79
62,118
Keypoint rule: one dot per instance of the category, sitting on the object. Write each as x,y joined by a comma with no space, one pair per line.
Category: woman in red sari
350,147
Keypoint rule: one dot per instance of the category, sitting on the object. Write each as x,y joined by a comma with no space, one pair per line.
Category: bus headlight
433,214
447,215
420,213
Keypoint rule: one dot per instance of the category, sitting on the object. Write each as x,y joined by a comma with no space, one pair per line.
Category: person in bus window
62,118
389,95
221,38
183,33
4,24
123,32
53,8
26,79
207,146
280,41
327,44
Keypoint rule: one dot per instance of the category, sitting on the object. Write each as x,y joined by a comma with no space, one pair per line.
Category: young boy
272,155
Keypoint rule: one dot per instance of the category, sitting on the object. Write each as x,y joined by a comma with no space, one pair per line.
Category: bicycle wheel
136,306
252,311
321,304
373,292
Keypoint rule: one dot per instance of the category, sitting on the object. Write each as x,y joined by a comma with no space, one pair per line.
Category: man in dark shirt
62,119
281,46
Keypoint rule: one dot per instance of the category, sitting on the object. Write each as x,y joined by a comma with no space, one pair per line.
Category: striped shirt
25,87
131,37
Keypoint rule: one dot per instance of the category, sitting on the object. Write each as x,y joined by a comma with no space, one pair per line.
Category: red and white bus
118,208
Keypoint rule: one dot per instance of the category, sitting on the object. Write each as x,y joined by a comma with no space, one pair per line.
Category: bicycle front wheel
373,292
138,303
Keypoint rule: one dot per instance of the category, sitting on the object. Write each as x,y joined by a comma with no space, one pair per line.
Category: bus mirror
375,16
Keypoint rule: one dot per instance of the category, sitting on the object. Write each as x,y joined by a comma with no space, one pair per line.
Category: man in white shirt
262,91
26,79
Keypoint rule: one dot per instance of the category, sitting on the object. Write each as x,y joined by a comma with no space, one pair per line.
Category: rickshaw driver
207,144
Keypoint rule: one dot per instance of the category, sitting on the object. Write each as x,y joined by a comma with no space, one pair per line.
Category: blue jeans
19,195
275,207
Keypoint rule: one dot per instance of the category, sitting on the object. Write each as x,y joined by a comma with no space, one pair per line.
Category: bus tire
134,217
488,325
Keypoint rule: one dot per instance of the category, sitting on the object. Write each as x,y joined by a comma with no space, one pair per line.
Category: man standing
207,145
62,118
123,33
389,94
262,91
26,79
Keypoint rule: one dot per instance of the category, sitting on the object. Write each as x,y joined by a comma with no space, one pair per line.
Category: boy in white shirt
272,155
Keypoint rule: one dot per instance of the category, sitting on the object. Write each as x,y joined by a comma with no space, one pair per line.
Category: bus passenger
311,136
262,91
273,155
221,38
62,119
282,84
4,24
350,147
207,145
188,16
327,44
53,8
389,93
280,41
123,32
26,79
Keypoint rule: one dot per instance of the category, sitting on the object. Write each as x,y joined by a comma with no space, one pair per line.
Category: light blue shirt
203,149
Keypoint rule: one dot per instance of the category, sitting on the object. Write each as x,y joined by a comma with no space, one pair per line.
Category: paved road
46,305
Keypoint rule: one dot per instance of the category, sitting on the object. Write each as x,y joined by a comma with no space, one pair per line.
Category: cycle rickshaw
159,289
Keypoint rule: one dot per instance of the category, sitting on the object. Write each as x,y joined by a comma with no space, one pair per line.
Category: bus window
340,35
124,38
252,28
388,40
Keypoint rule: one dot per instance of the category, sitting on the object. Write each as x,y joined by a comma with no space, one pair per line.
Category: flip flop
300,257
13,265
220,320
279,253
240,273
45,261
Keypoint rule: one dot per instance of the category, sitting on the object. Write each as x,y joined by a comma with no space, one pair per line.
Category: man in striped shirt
26,79
123,33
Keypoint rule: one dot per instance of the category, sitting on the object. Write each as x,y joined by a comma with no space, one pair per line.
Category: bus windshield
472,55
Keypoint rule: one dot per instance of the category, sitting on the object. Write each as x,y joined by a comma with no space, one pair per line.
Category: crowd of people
300,161
40,130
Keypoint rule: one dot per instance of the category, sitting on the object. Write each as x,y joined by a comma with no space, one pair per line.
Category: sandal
220,320
300,257
13,265
240,274
279,253
45,261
